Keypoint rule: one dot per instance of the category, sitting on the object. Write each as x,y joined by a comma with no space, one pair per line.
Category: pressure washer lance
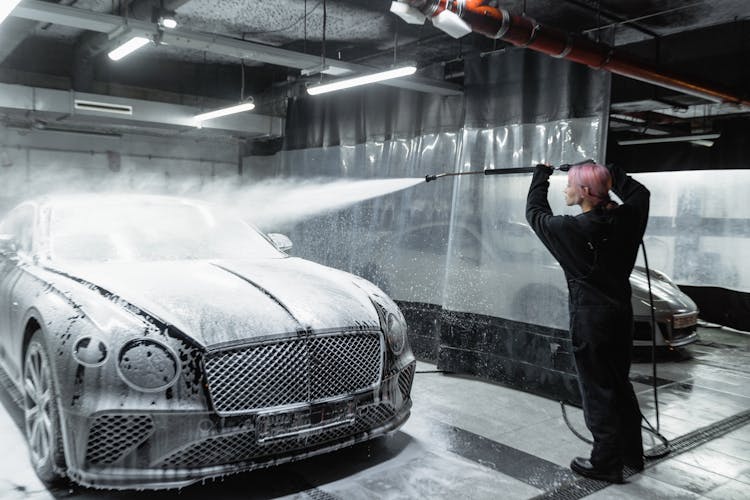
502,171
665,448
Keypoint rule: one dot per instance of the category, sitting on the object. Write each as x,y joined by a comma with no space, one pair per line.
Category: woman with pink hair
597,250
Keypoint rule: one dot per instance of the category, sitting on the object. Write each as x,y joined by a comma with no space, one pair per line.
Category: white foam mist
281,202
268,203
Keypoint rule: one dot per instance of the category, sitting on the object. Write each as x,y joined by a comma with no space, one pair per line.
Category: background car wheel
41,413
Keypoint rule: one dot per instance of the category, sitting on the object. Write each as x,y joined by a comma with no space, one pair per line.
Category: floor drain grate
317,494
584,487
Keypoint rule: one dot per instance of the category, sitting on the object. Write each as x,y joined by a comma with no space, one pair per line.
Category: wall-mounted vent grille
103,107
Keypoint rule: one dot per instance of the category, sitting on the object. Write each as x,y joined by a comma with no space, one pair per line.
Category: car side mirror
8,246
281,241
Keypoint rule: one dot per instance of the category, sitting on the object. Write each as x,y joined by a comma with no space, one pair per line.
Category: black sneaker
585,468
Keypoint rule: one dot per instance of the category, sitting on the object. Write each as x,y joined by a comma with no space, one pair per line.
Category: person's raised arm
631,192
538,211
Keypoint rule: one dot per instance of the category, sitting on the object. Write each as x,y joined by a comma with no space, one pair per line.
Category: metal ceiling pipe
523,31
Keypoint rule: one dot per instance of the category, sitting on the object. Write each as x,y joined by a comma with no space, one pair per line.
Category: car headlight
391,320
148,365
395,332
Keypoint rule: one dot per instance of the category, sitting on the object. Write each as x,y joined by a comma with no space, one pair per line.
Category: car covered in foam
156,341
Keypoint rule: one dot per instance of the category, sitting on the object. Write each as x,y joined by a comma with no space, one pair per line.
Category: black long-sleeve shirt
596,249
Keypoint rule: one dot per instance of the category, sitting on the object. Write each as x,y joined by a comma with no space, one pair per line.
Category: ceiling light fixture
627,118
239,108
168,22
128,47
671,138
362,80
164,18
7,7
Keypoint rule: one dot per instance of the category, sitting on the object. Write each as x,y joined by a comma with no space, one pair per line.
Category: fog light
148,365
90,352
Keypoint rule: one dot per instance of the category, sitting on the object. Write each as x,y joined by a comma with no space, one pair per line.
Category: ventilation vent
113,436
103,107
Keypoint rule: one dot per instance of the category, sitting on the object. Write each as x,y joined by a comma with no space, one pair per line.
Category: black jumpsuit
597,250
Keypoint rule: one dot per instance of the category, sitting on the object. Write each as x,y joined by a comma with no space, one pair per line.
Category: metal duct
523,31
75,108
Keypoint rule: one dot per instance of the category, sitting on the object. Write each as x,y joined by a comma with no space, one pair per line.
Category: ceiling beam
217,44
12,34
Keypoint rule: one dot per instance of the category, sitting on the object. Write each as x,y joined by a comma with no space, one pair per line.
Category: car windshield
150,230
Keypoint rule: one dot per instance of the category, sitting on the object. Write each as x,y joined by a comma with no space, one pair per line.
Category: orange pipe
523,31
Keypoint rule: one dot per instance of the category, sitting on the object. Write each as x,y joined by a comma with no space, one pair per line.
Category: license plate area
284,424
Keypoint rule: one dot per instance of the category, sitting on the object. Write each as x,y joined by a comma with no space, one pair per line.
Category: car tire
41,413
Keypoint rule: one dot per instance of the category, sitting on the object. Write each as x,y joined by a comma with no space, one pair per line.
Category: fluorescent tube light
126,48
239,108
700,142
362,80
7,7
627,118
672,138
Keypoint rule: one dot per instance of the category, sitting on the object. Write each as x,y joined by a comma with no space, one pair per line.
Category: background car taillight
147,365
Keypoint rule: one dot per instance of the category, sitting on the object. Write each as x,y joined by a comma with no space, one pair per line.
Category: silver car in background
507,273
154,341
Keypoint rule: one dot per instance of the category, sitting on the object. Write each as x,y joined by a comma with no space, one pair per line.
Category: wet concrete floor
468,439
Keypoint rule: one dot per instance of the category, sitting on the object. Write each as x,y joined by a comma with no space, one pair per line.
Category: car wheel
41,414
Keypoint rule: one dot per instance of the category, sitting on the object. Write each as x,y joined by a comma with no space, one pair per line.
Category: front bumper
667,334
155,450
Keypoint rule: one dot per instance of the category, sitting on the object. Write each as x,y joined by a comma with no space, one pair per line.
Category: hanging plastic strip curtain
460,244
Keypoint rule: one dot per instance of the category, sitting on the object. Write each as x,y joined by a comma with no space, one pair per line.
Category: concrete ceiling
704,39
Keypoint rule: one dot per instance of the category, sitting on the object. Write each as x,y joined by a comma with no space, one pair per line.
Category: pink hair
593,176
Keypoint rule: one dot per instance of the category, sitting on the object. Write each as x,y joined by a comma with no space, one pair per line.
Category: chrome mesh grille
112,436
405,379
214,451
299,370
240,447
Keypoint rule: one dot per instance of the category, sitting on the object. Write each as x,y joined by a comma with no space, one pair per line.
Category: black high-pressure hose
650,427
